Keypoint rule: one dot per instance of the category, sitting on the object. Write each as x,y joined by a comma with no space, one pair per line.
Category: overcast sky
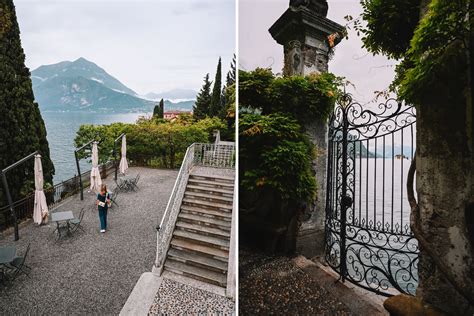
258,49
148,45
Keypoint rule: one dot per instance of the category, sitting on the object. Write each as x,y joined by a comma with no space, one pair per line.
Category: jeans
103,218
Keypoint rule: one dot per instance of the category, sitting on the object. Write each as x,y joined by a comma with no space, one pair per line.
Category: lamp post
7,189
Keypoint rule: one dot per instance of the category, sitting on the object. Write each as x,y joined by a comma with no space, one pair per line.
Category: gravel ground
274,285
90,273
174,298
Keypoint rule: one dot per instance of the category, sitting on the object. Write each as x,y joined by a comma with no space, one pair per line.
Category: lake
62,127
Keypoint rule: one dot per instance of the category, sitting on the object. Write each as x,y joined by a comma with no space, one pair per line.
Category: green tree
22,127
159,110
216,105
203,100
230,80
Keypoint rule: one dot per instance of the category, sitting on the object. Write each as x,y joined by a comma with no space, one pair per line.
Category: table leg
58,228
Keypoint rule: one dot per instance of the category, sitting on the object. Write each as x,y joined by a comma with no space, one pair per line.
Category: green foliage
433,49
215,107
275,154
437,53
306,98
22,127
390,25
203,100
150,142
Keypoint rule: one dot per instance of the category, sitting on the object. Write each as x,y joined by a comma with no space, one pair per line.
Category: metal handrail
170,200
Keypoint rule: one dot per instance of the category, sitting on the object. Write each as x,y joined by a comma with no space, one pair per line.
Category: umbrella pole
10,203
7,189
80,176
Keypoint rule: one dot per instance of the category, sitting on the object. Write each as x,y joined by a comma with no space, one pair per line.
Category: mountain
82,85
175,94
79,68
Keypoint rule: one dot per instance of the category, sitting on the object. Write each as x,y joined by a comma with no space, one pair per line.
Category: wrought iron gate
368,237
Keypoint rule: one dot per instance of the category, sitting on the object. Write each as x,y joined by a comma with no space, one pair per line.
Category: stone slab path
90,273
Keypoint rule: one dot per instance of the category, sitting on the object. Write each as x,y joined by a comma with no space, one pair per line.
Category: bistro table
61,217
127,182
7,254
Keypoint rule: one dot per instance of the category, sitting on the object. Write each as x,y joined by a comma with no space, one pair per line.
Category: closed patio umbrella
96,181
123,161
40,211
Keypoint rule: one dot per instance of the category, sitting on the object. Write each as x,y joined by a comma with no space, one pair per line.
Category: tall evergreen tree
158,110
161,112
203,100
22,129
230,80
216,104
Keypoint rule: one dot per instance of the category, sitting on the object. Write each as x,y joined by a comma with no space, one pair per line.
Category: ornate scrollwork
363,123
379,256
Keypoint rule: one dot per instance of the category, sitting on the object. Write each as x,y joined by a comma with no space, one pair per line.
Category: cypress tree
215,107
203,100
230,80
22,129
156,110
161,109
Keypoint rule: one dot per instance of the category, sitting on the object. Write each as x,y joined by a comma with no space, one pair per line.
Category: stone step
194,258
195,272
210,189
205,220
202,239
212,183
203,210
182,244
207,204
214,178
196,228
214,197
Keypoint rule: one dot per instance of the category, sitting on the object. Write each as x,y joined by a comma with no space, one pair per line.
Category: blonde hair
103,188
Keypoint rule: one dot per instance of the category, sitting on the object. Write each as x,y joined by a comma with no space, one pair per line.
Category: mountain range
82,85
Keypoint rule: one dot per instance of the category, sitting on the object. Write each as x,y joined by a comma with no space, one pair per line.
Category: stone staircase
199,247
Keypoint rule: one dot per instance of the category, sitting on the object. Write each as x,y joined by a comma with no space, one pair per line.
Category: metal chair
18,265
76,222
135,181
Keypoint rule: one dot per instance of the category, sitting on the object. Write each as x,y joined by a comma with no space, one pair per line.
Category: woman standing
103,203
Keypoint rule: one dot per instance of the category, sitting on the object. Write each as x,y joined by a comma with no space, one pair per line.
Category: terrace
90,272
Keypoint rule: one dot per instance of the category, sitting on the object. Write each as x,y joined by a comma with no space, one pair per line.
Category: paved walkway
91,273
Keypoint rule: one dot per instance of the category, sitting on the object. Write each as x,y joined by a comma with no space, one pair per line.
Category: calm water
380,204
62,128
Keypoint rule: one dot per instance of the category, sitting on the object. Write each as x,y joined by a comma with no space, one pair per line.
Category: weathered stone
405,305
303,31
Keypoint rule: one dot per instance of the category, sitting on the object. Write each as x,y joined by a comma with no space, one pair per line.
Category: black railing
58,193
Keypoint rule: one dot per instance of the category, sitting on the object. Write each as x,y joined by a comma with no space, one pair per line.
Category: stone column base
310,240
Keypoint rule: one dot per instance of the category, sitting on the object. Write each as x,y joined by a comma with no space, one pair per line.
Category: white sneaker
102,230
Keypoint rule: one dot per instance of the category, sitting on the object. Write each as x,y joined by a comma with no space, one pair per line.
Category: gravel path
174,298
91,273
274,285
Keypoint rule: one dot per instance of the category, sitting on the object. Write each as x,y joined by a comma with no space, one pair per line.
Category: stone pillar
303,31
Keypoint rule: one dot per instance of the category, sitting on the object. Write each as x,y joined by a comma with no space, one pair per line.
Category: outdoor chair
18,265
76,222
135,181
113,198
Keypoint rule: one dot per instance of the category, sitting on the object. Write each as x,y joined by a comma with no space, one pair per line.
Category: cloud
142,43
